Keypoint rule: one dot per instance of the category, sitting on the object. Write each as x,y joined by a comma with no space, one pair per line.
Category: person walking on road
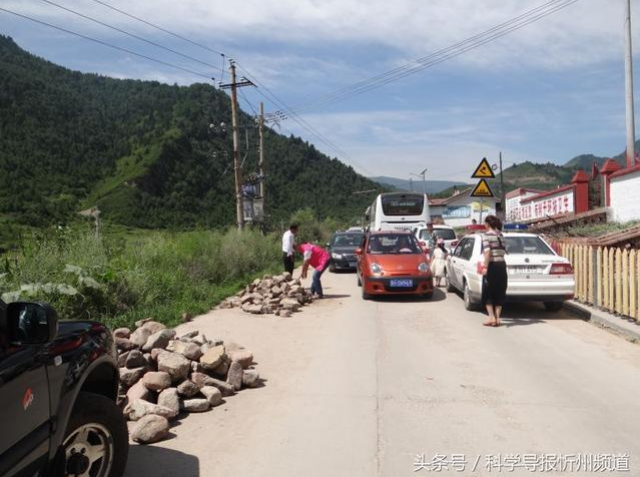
438,260
494,271
288,248
319,259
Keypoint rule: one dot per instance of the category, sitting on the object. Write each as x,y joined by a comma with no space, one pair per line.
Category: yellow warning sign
482,189
484,170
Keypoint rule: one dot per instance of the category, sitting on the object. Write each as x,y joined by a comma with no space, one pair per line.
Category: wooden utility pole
234,85
628,66
503,206
261,162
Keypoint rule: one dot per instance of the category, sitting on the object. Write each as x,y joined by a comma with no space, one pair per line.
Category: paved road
359,388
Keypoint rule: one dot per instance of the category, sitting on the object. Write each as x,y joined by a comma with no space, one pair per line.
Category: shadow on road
159,462
524,314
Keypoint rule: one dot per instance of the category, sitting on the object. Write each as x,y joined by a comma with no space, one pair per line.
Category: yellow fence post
590,290
618,281
611,280
633,286
599,276
625,283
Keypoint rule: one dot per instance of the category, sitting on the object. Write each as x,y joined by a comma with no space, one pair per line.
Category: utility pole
261,161
628,64
411,184
236,153
503,206
424,181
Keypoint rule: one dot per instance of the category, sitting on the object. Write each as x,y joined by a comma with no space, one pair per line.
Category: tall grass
119,280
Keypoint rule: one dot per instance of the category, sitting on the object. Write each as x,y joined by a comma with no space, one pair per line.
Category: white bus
399,211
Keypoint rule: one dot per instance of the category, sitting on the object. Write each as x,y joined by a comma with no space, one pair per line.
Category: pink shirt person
317,256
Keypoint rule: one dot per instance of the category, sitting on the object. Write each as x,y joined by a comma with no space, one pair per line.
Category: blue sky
547,92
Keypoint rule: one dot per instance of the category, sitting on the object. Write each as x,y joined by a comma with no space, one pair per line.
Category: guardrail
606,277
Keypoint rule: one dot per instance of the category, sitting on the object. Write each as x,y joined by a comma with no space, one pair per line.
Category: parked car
58,389
342,247
536,272
392,262
448,234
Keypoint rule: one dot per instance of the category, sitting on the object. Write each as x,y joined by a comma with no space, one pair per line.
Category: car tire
359,280
96,421
332,268
427,296
450,288
469,303
553,306
365,295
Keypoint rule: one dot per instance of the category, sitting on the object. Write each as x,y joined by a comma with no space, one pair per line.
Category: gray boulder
175,364
149,429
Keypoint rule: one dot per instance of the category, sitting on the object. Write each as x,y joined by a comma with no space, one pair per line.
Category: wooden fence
606,278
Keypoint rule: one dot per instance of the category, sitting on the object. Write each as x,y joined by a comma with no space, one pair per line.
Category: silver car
536,272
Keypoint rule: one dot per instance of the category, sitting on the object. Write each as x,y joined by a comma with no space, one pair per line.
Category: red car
393,263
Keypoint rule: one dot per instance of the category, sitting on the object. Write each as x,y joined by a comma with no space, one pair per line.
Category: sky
546,92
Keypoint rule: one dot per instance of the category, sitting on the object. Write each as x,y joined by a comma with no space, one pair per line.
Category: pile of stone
280,295
162,376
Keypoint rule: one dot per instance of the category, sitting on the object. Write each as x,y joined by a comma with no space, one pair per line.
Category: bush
119,280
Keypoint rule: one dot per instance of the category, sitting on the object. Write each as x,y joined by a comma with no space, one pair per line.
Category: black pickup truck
58,389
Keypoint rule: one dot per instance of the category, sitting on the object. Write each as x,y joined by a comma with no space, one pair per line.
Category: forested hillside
143,152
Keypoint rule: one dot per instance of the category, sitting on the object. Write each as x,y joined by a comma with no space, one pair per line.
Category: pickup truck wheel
96,442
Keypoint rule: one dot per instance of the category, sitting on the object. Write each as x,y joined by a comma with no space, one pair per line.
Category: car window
527,245
467,250
425,235
445,234
383,244
458,250
346,240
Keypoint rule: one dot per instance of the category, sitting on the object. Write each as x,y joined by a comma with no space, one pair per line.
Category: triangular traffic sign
484,170
482,189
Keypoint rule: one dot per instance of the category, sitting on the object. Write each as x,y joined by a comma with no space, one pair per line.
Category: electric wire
132,35
431,60
104,43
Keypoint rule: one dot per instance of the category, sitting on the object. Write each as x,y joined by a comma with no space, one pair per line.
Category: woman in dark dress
494,270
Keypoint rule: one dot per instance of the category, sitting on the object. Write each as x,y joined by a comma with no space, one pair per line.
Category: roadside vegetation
123,275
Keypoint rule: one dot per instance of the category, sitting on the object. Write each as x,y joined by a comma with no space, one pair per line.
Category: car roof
348,232
387,232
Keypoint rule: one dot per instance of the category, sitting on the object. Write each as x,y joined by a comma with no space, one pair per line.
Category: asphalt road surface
401,387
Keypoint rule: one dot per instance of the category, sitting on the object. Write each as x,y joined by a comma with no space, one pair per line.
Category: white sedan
535,271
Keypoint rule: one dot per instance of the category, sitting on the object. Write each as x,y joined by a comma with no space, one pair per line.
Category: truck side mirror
359,251
31,323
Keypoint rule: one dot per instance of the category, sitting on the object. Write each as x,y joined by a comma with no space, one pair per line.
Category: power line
104,43
158,27
133,35
435,58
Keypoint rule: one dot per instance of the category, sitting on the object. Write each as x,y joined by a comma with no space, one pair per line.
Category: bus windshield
398,205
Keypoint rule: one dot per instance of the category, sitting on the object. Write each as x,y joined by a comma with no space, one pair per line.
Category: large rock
188,350
122,333
189,336
188,389
195,405
285,313
290,304
223,367
212,394
149,429
234,377
154,326
169,398
250,378
124,344
253,309
129,377
157,380
136,410
159,340
175,364
203,380
138,391
243,356
212,358
140,336
135,359
122,359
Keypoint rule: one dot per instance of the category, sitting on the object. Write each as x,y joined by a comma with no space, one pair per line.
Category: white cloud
584,33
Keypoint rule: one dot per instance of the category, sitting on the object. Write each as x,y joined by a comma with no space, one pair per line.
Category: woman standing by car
438,261
494,270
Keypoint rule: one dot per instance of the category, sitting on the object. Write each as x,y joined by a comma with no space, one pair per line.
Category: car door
24,409
457,263
464,260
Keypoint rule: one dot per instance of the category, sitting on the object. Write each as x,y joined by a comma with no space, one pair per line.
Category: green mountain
144,153
432,187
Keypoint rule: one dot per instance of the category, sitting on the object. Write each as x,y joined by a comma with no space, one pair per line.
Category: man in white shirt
288,247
